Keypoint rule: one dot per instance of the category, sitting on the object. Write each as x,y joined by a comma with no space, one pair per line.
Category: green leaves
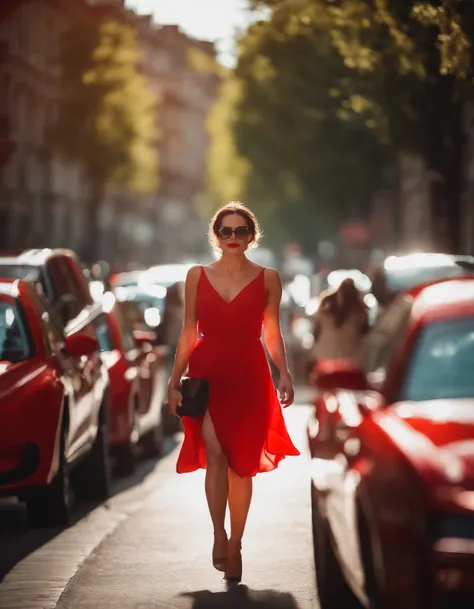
293,133
108,115
454,42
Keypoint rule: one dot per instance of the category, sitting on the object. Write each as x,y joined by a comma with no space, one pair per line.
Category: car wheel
94,473
50,506
152,442
333,590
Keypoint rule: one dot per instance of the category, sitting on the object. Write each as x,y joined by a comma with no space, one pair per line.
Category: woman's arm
273,337
189,333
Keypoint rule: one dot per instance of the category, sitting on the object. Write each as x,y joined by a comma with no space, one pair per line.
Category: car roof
445,299
12,287
34,257
423,260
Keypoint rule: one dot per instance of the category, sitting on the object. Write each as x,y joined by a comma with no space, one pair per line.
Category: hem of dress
195,468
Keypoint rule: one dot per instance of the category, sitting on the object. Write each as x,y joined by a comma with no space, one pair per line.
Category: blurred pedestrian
243,431
340,326
341,323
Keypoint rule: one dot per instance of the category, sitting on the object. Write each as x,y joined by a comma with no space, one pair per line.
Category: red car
53,408
393,463
62,281
138,384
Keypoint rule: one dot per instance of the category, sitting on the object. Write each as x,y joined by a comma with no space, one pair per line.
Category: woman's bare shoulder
194,273
269,272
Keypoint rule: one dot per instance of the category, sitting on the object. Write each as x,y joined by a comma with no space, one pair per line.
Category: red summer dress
243,402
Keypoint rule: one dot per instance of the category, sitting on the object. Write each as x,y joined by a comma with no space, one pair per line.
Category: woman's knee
235,476
214,454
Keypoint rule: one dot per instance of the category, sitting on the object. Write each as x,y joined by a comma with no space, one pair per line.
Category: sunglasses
226,232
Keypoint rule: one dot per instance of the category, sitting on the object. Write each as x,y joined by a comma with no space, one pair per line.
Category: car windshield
442,364
14,344
20,271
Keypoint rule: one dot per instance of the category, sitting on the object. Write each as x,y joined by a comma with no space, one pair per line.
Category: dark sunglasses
226,232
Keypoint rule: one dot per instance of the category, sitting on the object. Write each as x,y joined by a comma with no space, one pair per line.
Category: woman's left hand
285,389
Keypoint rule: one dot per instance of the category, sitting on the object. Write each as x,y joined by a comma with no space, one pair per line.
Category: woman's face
234,235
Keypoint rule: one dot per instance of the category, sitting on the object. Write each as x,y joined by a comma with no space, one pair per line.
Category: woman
243,431
341,323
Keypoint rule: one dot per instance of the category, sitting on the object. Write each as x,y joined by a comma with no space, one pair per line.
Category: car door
352,437
137,358
68,302
53,339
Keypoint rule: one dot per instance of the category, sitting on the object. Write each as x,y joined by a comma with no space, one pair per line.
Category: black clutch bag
195,392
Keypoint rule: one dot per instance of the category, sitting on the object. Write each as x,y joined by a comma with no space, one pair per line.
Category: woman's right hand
175,399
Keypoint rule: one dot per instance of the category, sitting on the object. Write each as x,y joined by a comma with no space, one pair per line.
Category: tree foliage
345,81
291,133
107,117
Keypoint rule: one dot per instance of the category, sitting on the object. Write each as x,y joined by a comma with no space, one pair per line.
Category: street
149,546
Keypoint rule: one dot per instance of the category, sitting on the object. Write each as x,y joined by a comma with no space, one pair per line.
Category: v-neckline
228,302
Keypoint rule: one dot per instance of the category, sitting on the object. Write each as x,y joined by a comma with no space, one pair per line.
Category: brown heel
233,571
219,552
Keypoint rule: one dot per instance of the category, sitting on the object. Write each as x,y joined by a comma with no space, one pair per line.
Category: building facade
41,196
186,97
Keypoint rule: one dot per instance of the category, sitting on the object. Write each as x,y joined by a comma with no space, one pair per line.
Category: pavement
149,546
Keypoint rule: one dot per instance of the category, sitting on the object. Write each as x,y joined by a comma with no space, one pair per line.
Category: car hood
438,433
14,376
6,366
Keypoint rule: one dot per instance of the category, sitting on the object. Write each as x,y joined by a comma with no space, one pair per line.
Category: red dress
243,402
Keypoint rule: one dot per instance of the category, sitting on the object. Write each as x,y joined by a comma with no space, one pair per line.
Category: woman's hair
234,207
352,301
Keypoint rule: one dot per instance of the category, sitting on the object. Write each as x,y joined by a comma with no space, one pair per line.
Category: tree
289,136
423,53
107,114
411,63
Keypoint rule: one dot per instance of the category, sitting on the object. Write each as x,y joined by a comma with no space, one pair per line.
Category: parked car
144,308
53,408
138,387
165,275
402,273
59,274
127,279
392,472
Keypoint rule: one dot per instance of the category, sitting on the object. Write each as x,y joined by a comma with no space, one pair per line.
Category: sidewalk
160,558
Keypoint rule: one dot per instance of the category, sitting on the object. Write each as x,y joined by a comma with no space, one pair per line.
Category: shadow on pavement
241,597
18,539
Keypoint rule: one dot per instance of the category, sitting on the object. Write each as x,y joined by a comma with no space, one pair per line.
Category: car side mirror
331,375
78,345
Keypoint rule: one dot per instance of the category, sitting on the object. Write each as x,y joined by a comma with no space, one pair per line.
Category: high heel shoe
219,552
233,571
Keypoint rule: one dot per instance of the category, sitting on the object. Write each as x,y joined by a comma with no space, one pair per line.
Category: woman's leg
240,496
217,487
